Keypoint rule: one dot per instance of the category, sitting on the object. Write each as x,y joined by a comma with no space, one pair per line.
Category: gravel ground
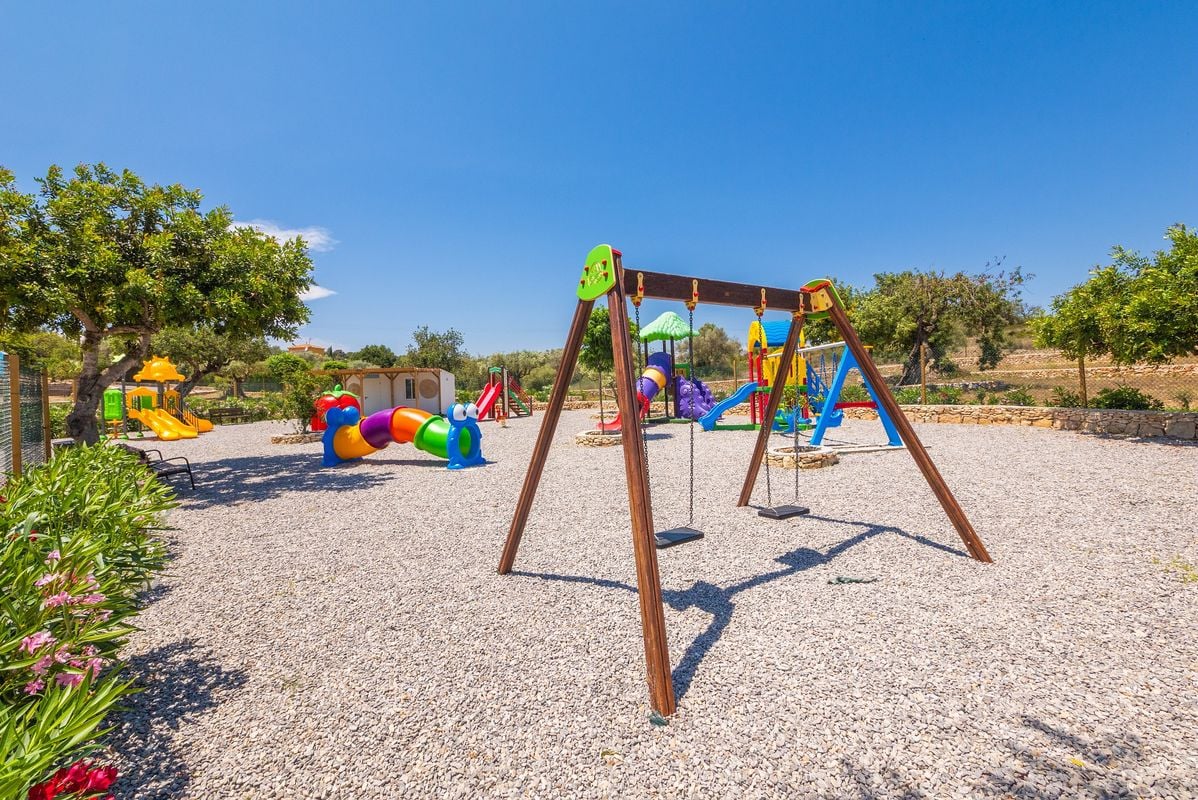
342,633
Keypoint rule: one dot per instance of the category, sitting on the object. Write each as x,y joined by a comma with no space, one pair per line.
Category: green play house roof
668,326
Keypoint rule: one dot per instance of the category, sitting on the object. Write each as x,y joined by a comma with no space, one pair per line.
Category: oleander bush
80,543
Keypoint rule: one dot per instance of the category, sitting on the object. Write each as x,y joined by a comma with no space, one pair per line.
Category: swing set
604,275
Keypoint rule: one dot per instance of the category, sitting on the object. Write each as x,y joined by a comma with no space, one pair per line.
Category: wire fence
1047,378
24,416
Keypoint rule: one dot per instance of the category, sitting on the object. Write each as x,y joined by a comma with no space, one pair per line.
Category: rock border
597,438
297,438
810,457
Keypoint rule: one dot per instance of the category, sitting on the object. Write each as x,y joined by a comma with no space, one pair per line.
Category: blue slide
741,395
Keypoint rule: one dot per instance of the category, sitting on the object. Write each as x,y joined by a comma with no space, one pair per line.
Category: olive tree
105,257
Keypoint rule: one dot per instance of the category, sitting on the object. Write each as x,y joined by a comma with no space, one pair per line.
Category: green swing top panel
599,273
669,326
823,284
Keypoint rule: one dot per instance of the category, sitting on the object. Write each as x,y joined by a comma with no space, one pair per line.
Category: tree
910,309
714,350
105,257
282,366
237,371
56,354
1156,318
441,350
200,351
1137,310
377,355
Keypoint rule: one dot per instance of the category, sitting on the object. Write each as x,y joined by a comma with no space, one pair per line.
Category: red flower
79,778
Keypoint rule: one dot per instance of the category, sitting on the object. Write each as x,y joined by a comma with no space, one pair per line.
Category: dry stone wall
1171,424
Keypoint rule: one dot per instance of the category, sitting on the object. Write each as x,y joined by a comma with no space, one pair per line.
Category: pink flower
39,639
44,663
103,616
35,686
63,655
90,650
71,679
95,665
91,599
91,581
60,599
53,556
49,577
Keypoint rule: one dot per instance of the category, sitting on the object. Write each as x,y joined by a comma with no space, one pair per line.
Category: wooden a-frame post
604,275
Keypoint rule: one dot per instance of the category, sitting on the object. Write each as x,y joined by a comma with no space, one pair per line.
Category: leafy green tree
200,351
334,363
596,351
1156,319
47,350
906,310
441,350
714,350
102,256
376,355
282,366
237,371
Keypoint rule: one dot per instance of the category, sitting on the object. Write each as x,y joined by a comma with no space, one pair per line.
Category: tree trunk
82,425
238,391
197,375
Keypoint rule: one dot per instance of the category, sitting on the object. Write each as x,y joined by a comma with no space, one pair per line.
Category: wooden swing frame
618,285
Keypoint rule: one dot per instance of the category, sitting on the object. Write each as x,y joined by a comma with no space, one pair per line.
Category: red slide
614,425
487,399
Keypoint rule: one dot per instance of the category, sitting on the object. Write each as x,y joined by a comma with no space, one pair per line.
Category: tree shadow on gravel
1160,441
256,478
717,601
1088,767
177,682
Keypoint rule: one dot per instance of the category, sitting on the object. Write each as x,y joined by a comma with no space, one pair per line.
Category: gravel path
342,633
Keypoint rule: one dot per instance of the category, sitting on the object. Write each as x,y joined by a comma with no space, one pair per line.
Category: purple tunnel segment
376,429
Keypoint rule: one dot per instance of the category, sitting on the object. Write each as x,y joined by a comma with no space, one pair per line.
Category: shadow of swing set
604,275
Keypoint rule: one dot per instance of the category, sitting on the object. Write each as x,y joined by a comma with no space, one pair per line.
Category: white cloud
316,293
318,239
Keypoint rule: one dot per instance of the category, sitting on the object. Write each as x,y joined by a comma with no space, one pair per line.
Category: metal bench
162,467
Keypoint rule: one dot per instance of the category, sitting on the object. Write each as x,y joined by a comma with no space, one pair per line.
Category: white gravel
342,633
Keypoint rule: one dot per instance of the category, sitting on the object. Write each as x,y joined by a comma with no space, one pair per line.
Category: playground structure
457,439
665,377
604,276
496,403
692,399
337,398
161,409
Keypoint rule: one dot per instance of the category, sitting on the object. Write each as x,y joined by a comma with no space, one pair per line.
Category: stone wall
1171,424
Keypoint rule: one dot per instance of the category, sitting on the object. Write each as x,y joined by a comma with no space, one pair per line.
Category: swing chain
690,372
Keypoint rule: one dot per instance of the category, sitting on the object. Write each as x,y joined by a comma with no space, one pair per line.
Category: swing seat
783,512
674,536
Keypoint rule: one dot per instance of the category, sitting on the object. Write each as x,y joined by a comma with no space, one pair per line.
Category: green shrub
1125,397
79,545
58,419
1018,397
854,393
1184,398
299,398
1064,398
947,396
907,395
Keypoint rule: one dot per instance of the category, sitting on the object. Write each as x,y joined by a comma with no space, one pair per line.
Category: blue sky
456,161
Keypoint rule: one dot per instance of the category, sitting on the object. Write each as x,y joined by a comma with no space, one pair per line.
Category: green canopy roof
668,326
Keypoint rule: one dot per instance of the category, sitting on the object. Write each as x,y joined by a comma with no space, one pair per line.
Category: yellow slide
165,427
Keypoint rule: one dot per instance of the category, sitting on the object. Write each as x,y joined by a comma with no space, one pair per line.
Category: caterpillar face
459,412
472,411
